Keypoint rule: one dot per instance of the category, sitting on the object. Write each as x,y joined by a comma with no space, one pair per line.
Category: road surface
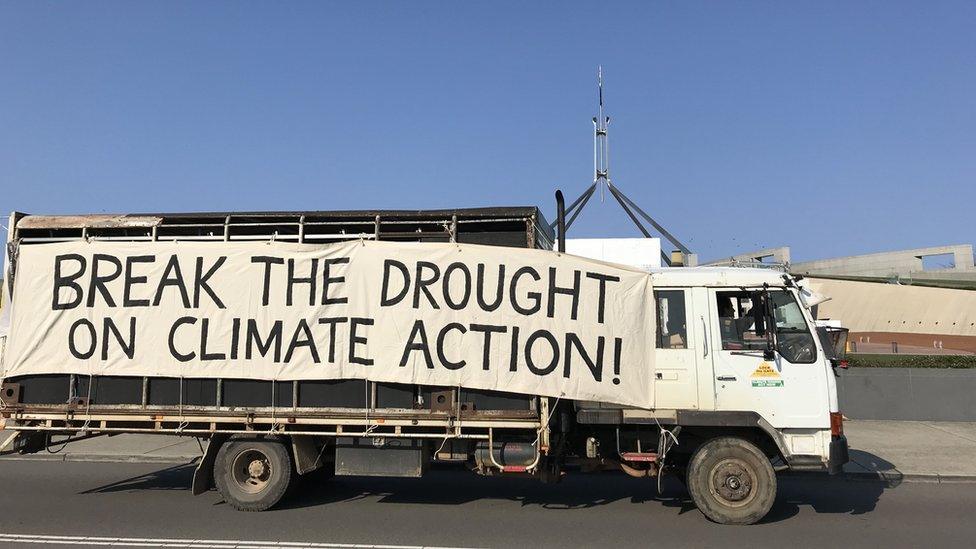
59,504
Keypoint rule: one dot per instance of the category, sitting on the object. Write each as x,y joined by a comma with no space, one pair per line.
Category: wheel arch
203,475
701,426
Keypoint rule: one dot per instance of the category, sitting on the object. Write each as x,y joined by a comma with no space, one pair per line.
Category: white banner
515,320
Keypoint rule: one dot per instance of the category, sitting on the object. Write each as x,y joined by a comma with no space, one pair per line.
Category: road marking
96,541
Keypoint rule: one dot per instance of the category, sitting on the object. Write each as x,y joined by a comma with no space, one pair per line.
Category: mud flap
203,475
839,454
7,446
308,457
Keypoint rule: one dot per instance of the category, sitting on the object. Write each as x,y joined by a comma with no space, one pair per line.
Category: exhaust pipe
636,472
560,222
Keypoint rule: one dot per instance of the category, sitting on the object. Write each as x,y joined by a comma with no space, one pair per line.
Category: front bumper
836,458
839,454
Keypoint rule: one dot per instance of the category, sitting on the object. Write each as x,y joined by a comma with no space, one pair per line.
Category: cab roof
717,276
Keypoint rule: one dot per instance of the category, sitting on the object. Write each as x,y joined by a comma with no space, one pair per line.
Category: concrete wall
917,394
903,263
876,307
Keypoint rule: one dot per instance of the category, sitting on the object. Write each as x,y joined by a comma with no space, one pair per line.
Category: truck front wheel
252,474
731,481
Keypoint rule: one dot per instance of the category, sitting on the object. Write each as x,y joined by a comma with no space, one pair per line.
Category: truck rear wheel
252,474
731,481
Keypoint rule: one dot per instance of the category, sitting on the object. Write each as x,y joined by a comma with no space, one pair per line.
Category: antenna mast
601,178
601,144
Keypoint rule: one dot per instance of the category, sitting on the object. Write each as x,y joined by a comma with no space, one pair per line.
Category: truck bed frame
85,404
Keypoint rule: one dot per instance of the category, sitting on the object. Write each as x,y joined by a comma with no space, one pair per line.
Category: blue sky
835,128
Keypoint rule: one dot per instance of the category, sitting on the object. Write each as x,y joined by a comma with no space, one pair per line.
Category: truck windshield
793,338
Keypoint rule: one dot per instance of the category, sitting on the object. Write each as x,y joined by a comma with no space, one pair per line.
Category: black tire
731,481
252,474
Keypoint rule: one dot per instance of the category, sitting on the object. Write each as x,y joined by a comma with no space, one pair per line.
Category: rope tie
664,442
3,371
274,406
368,429
183,423
91,381
443,442
538,434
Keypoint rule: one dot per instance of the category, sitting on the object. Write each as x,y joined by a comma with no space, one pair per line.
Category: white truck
740,381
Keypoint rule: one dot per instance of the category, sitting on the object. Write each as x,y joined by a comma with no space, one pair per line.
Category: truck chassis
261,432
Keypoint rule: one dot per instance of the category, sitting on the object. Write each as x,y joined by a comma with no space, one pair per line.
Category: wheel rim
252,471
732,483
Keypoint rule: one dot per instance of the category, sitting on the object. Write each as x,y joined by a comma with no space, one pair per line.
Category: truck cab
738,360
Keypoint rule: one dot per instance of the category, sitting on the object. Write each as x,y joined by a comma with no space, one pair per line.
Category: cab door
788,391
676,350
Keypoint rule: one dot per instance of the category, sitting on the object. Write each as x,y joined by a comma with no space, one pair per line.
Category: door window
793,338
737,326
672,329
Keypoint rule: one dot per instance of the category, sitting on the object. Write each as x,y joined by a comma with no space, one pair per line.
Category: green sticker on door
767,383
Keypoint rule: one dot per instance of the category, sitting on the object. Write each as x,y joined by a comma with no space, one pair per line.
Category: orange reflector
836,424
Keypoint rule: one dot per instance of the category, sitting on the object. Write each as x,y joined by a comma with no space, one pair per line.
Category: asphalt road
146,504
